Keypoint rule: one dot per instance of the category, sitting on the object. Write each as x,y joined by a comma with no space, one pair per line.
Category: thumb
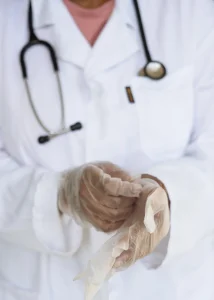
155,203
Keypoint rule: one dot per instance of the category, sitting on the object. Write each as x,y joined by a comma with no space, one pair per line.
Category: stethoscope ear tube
32,43
35,41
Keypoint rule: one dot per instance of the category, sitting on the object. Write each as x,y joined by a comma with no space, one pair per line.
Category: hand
101,194
149,224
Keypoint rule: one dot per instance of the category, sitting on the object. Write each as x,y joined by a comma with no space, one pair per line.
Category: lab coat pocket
198,284
165,113
10,292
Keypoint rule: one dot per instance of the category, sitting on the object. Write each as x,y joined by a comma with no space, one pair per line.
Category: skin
89,3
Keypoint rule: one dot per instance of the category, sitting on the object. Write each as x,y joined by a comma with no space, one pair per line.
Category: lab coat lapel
71,45
115,44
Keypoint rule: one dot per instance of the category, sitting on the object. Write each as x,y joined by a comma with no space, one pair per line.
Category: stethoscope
154,70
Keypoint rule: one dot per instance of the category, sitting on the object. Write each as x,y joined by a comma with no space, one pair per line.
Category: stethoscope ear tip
76,126
43,139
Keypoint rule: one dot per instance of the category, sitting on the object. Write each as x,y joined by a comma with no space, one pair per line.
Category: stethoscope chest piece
153,70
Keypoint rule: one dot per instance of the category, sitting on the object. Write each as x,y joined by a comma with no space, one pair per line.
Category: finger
117,187
123,259
149,220
104,226
118,202
92,176
106,213
94,194
155,204
114,171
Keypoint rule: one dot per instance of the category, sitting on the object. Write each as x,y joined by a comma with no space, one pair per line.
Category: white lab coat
167,132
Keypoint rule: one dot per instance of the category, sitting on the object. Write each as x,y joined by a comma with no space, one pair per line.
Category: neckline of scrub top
90,21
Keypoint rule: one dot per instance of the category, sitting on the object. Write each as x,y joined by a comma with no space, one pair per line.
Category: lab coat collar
117,36
127,12
116,43
43,12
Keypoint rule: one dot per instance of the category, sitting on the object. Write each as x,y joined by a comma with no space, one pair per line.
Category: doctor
160,126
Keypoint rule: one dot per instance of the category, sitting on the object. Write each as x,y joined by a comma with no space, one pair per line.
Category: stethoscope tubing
35,41
142,32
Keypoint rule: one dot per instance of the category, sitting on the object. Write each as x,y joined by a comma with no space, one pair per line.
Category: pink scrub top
90,21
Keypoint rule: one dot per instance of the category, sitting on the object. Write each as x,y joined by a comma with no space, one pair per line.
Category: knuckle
115,212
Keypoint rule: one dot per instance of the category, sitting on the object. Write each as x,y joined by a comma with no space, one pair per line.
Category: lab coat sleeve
190,179
28,209
28,196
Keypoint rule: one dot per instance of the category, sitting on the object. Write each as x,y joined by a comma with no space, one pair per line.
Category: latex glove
101,194
137,238
149,224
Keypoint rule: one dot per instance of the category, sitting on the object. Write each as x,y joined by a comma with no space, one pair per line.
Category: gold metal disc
155,70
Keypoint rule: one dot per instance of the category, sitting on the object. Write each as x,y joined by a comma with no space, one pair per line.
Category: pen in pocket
129,94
